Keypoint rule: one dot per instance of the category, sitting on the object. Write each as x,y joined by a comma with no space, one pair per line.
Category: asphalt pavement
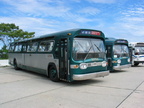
24,89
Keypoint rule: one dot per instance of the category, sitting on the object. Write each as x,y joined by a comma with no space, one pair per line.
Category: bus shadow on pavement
29,73
44,77
118,71
85,82
138,66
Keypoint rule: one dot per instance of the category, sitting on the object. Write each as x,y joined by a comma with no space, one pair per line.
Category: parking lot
24,89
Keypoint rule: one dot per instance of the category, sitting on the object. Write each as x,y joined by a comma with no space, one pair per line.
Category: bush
4,56
4,53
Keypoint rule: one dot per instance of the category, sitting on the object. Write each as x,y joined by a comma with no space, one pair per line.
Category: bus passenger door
63,59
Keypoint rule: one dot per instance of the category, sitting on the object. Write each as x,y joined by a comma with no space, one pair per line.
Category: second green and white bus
117,54
76,54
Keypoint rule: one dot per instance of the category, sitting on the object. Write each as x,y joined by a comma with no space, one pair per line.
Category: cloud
38,8
133,21
48,8
47,16
83,20
40,26
126,29
37,25
89,11
43,17
134,12
76,1
102,1
129,24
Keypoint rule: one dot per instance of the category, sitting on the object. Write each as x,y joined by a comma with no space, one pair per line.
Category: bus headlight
83,65
119,61
104,63
128,60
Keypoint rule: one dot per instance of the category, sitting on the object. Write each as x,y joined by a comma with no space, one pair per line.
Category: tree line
11,33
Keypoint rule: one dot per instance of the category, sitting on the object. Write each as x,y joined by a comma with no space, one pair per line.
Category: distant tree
3,53
11,33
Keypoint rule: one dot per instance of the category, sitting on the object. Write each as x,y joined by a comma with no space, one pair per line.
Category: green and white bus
76,54
117,54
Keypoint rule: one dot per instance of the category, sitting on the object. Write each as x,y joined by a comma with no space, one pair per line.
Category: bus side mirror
106,51
56,53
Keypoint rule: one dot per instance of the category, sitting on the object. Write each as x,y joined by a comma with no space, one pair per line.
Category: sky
123,19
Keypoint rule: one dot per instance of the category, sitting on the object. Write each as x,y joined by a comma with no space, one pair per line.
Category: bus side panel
11,58
39,62
17,57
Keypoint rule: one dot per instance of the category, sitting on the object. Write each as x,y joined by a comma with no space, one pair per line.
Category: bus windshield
139,50
88,48
120,51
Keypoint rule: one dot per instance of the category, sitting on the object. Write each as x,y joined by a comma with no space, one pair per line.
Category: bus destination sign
90,32
121,41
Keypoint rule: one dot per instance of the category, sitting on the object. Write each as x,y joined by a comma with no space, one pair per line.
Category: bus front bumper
90,75
122,66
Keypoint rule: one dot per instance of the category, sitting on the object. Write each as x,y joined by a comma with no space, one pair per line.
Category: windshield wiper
97,47
125,51
88,53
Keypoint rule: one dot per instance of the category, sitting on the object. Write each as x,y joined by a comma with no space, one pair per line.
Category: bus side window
11,48
46,46
51,46
24,48
29,47
32,47
18,48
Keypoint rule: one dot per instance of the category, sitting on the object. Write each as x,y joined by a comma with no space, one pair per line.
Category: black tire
136,64
53,75
15,65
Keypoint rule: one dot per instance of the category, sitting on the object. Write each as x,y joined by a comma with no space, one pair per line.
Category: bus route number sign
121,41
90,32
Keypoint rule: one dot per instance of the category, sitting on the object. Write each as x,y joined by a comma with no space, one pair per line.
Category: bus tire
53,74
15,65
136,64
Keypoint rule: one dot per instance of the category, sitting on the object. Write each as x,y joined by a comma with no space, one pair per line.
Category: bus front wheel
136,64
53,74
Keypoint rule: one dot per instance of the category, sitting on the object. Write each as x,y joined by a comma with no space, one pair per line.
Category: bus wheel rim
53,73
